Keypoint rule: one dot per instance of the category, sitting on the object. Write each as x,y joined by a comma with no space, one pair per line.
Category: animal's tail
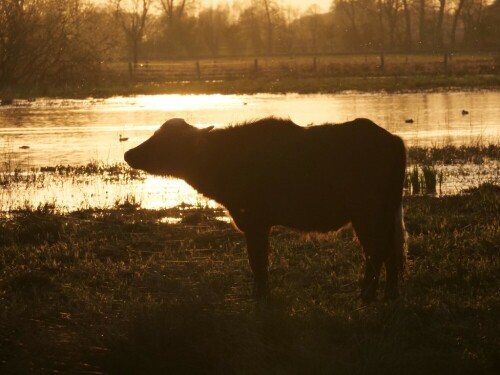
400,234
400,242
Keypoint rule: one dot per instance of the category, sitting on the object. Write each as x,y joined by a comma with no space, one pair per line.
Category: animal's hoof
391,294
368,294
261,293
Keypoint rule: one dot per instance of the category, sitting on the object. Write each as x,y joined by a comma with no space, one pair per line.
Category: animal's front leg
258,249
369,285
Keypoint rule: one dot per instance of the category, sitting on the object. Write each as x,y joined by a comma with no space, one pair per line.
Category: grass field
282,74
132,291
311,66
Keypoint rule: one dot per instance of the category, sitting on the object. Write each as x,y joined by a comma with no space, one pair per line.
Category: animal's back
338,172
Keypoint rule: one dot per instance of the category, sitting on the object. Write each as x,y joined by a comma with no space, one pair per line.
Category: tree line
57,40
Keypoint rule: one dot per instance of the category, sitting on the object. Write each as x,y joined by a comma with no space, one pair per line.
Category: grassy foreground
132,291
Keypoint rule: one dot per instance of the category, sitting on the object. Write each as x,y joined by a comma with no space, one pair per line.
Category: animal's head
169,151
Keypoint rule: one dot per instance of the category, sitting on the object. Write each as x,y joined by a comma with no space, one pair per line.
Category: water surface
79,131
49,132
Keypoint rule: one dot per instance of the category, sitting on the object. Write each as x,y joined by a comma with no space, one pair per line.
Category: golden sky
302,5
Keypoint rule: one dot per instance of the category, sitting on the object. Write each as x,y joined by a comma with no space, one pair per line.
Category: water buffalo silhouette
274,172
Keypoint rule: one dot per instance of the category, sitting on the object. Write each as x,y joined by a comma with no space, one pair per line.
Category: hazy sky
301,4
304,4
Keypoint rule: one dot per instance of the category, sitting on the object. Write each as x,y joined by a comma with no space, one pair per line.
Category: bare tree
422,34
132,16
269,8
456,17
392,9
381,30
14,17
438,35
213,24
349,8
314,26
175,12
251,29
407,13
472,17
47,42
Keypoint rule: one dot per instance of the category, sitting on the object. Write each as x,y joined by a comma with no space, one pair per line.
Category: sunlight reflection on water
61,131
75,132
69,193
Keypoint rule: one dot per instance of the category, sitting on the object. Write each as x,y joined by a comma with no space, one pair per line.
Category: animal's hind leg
395,262
392,277
258,248
376,240
370,281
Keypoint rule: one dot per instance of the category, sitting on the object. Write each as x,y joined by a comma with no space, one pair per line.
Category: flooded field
45,133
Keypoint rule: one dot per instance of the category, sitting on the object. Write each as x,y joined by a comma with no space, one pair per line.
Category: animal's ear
201,140
207,129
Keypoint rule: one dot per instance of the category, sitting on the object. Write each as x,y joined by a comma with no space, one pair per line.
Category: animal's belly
323,218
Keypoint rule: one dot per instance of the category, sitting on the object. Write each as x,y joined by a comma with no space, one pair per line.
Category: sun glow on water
175,103
74,192
157,192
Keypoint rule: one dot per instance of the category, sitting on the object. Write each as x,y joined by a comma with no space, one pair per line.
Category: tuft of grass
414,180
430,176
460,166
130,202
449,154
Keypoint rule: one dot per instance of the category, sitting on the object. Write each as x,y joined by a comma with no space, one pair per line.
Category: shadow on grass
194,340
383,339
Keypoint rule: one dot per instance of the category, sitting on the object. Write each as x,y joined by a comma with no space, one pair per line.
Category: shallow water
73,192
62,131
75,132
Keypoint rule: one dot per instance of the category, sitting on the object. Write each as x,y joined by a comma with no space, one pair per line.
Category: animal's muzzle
130,159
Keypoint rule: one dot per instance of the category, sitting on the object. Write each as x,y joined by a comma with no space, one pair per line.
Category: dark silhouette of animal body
274,172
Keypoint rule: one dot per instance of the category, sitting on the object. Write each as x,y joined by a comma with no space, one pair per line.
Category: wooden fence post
198,70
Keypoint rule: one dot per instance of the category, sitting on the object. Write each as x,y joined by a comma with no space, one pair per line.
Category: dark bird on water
6,101
123,139
409,121
24,147
464,112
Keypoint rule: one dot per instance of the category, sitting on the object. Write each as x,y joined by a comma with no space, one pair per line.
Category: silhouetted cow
274,172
